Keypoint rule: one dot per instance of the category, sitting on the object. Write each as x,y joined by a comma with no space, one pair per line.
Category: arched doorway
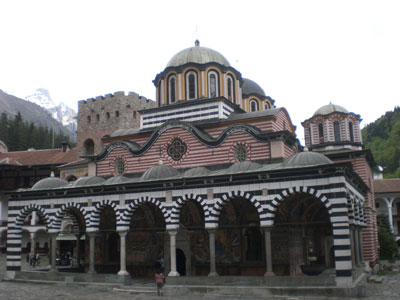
192,239
239,241
71,239
104,250
145,240
302,234
180,262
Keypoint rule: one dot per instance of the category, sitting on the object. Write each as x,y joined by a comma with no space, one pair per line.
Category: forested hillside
20,135
383,138
31,112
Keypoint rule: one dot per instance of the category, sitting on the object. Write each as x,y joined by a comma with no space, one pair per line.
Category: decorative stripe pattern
343,202
127,213
176,208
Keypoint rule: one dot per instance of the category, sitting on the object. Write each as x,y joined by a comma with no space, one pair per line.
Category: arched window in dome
267,105
191,85
253,105
351,131
213,84
321,132
171,89
336,131
159,93
231,89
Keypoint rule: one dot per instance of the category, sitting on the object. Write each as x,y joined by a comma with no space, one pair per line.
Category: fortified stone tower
101,116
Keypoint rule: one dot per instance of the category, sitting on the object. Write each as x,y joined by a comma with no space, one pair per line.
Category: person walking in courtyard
159,278
37,259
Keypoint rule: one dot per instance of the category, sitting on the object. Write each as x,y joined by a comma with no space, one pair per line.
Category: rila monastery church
210,176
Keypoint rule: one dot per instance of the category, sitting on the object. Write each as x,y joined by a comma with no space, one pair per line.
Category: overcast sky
304,54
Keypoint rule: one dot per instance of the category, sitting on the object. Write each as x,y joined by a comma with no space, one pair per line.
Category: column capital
388,201
172,232
212,230
123,233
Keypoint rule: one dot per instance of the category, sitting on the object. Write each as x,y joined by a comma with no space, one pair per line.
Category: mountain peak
58,110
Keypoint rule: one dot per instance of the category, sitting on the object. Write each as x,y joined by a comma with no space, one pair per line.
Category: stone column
268,252
78,248
34,216
389,202
122,236
32,236
53,253
213,268
92,235
172,243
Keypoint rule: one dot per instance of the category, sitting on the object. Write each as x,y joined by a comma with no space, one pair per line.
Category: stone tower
99,117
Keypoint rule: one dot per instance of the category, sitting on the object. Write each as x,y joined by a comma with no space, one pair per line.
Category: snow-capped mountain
58,110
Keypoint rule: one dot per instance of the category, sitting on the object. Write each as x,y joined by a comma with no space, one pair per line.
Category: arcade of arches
301,235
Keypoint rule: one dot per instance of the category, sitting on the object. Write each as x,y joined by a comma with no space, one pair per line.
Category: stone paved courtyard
388,290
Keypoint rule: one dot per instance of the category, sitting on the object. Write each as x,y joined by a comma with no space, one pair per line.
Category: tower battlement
102,115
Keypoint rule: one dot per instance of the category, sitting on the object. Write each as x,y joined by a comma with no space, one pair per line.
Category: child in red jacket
159,278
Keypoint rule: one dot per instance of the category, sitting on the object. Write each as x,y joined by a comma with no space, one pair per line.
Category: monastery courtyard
389,289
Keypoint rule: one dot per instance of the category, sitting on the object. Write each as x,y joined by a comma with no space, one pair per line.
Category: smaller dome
199,171
199,55
244,166
250,87
88,180
116,180
306,159
330,108
49,183
159,171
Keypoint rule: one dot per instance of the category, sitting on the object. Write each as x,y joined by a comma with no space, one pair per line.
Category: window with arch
267,105
89,147
321,132
231,89
253,105
336,131
117,114
159,94
351,131
213,84
191,85
171,89
89,119
107,115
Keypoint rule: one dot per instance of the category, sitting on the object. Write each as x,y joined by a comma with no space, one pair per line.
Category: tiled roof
39,157
387,185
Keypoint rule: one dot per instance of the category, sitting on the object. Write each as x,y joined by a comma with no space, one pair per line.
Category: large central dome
199,55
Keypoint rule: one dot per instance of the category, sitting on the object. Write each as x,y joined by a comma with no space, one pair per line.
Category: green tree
382,137
4,127
387,242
